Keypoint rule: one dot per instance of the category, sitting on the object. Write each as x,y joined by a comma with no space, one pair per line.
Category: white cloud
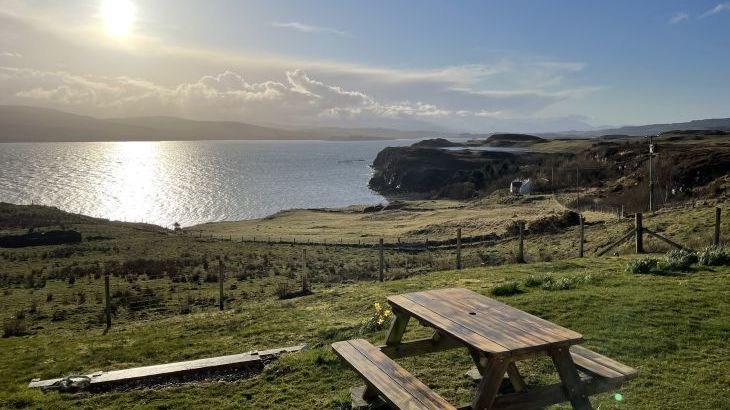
717,9
307,28
10,54
300,99
678,17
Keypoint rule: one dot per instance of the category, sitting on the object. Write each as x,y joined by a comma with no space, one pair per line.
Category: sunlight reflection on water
188,182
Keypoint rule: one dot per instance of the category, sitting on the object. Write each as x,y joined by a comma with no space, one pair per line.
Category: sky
476,66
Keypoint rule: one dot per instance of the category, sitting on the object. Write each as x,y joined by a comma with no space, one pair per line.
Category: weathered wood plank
527,322
599,364
478,321
399,388
100,379
448,326
420,346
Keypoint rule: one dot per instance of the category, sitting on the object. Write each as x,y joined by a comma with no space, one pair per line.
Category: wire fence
104,294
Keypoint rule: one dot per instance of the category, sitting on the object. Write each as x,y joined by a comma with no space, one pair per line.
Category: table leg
571,380
489,386
515,377
397,328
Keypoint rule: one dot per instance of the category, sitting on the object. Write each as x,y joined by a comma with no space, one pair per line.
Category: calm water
188,182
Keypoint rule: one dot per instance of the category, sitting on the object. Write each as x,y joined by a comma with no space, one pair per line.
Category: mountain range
35,124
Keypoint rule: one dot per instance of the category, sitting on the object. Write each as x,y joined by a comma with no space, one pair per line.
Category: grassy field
672,327
413,220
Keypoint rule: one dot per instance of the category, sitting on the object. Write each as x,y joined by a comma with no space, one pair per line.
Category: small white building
521,186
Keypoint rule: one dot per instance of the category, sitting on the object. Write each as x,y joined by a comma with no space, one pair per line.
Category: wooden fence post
639,233
220,284
107,302
521,249
381,268
582,236
717,226
458,248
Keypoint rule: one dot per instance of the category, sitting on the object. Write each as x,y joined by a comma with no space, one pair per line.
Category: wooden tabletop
482,323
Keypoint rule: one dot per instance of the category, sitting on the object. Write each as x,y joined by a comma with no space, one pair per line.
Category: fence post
380,266
639,233
220,284
717,226
458,248
521,249
425,244
107,302
582,236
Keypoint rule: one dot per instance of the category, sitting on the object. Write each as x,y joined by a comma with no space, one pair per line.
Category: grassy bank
673,328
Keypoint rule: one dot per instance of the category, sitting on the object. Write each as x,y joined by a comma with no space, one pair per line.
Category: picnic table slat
446,325
544,329
480,323
400,387
607,365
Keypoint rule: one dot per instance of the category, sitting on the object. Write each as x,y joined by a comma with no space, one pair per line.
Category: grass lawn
674,329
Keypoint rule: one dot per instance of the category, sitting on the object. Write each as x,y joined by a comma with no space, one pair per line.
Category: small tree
176,226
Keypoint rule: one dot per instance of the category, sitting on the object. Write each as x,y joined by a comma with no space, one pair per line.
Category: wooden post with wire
717,226
521,249
220,284
107,301
582,235
458,248
381,267
639,231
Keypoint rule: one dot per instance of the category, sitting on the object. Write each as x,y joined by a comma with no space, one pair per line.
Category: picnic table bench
496,336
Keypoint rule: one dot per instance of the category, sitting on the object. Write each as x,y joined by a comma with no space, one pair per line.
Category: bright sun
118,16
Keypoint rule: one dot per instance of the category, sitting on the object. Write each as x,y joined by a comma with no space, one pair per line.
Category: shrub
560,284
378,320
641,266
533,281
713,256
14,327
506,289
679,259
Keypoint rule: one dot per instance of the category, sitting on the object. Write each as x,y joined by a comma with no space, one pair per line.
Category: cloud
306,28
717,9
10,54
678,17
300,98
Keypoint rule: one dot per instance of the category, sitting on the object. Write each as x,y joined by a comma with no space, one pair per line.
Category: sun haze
118,17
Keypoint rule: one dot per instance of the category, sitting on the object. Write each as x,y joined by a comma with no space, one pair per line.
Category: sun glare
118,17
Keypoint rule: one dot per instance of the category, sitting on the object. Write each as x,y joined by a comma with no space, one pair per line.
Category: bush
14,327
713,256
560,284
679,259
641,266
533,281
506,289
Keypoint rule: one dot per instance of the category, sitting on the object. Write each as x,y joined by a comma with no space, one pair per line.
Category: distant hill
720,124
34,124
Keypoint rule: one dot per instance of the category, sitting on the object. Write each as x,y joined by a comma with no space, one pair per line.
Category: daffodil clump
379,320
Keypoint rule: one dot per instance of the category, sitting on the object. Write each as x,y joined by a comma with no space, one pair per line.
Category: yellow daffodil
380,321
377,306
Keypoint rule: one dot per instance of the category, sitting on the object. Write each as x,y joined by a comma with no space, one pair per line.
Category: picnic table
496,336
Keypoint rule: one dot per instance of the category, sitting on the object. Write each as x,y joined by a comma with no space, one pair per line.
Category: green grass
674,328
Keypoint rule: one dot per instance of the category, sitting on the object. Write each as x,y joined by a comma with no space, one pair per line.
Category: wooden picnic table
496,336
